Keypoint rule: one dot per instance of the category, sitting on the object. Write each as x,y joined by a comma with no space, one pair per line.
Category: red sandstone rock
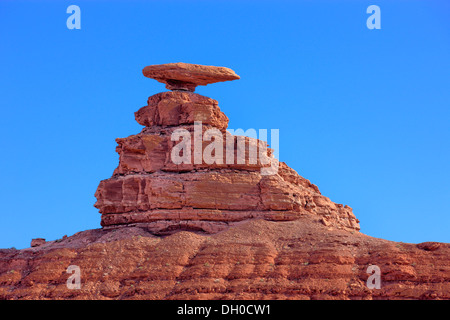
186,76
253,259
235,196
429,246
37,242
149,188
179,108
267,236
148,152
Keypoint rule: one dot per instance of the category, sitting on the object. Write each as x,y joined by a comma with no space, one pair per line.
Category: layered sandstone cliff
150,189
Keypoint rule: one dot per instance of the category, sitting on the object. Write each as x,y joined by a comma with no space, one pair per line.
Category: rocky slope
255,259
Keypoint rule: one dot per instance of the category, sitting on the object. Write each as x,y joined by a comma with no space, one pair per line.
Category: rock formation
149,189
256,259
186,76
216,229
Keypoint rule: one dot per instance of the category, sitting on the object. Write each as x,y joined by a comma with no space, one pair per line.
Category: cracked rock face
149,189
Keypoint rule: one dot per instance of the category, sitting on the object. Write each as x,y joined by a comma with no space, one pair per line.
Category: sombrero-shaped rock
186,76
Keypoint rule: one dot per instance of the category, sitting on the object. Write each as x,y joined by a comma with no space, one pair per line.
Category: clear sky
363,114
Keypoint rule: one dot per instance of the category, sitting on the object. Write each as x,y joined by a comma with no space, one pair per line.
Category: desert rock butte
222,230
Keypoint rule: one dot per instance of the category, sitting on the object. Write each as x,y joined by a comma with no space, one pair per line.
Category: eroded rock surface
187,76
255,259
216,230
150,189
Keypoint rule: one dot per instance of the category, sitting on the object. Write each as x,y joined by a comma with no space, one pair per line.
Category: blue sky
363,114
